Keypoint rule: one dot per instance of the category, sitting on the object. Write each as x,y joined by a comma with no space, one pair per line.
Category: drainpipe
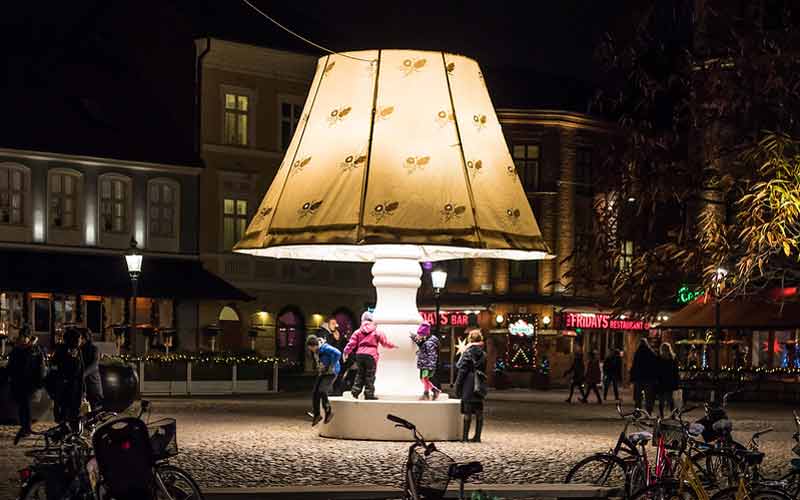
198,93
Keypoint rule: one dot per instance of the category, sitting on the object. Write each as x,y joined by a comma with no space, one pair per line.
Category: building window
114,202
237,109
234,221
12,195
523,270
456,270
583,171
291,109
526,160
64,187
163,202
626,256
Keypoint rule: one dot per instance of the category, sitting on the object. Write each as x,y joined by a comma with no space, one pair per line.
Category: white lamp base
360,419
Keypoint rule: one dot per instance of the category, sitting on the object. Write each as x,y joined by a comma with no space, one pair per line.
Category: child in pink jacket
365,342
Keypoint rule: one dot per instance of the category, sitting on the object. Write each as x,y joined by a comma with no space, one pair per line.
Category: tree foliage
706,170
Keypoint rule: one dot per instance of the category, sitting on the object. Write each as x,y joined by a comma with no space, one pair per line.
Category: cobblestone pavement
268,441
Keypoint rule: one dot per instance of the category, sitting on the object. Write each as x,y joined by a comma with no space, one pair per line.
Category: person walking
328,360
668,378
593,378
25,369
644,375
91,370
612,373
578,372
364,344
427,359
471,385
66,373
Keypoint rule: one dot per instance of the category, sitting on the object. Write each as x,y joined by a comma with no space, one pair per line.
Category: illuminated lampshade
398,158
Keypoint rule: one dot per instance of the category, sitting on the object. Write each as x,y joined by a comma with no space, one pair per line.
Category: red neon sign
446,318
602,321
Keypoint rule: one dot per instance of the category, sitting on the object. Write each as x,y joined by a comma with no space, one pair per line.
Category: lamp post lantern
439,281
133,260
719,280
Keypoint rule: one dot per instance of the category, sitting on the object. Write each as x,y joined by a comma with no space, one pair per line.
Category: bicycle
428,471
687,485
92,477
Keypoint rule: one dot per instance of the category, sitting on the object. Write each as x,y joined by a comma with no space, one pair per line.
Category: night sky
551,37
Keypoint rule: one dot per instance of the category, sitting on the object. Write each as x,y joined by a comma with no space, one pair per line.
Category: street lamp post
719,281
438,280
133,259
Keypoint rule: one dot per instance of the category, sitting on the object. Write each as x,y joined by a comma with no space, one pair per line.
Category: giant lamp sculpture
398,157
438,282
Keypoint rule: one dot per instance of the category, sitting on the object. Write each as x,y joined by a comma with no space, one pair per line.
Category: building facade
251,102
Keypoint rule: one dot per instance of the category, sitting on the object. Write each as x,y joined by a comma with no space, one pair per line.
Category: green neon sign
686,294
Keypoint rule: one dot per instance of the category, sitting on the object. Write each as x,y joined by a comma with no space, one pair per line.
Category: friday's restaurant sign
602,321
446,318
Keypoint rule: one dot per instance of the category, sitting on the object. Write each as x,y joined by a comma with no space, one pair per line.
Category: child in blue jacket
328,367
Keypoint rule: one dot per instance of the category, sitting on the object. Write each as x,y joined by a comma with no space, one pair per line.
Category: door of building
230,329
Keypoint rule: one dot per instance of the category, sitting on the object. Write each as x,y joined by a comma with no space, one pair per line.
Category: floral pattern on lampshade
262,213
329,67
412,65
383,112
452,211
511,170
474,167
385,209
352,162
300,164
309,208
338,114
512,216
479,121
451,67
415,163
443,118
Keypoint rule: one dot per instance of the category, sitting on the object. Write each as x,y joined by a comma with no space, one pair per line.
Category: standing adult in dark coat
669,378
593,378
578,372
24,381
91,370
66,371
612,373
644,375
471,385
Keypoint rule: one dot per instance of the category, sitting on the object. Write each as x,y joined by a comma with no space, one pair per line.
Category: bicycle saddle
696,430
723,425
465,470
640,437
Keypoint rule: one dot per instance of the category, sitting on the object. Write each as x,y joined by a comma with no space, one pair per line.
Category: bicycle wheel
602,469
667,490
756,494
178,483
717,469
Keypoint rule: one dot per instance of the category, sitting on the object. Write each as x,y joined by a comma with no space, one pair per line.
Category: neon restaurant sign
686,294
446,318
602,321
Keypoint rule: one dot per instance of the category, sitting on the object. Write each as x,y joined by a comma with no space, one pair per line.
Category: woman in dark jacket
578,372
66,372
644,375
593,376
23,381
91,370
471,384
668,378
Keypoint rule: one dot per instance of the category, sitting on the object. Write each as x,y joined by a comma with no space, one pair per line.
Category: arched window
14,194
163,209
115,196
228,314
65,188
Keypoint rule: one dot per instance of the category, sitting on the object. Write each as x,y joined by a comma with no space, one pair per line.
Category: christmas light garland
203,358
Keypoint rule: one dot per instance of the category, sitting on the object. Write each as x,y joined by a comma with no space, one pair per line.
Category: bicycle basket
672,432
163,438
431,473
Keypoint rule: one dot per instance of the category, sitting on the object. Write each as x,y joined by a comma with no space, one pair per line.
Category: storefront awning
107,275
751,314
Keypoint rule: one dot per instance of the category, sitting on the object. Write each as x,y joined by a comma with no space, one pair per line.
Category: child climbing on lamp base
427,359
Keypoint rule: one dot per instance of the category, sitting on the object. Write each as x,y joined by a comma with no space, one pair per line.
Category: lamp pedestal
396,276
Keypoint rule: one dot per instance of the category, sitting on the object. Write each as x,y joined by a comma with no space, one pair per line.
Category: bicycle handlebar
401,422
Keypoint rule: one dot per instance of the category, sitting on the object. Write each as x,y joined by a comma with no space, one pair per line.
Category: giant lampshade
398,157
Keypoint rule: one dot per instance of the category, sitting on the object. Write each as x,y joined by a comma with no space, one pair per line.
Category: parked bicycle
106,458
428,471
